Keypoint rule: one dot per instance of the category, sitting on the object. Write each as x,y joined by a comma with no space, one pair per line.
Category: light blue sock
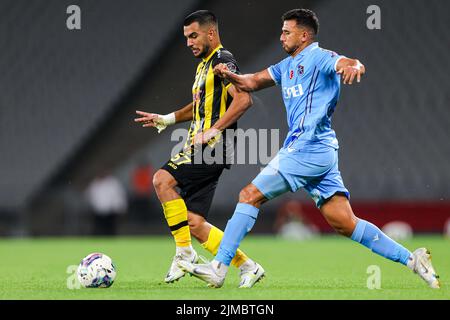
238,226
373,238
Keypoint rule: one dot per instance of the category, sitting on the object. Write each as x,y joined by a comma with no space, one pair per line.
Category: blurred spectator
291,223
447,228
398,230
107,199
143,199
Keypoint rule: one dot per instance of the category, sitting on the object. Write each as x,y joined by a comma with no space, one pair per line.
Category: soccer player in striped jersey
216,106
310,83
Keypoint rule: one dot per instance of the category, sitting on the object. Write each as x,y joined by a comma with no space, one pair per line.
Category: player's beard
290,50
204,52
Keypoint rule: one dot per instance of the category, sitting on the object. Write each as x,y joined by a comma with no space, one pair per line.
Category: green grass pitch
330,267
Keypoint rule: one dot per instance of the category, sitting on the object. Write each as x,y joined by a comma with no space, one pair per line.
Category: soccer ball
96,271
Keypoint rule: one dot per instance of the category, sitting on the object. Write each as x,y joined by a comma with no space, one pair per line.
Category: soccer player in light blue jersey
309,79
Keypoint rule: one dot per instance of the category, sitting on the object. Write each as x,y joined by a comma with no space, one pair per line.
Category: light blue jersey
310,88
308,158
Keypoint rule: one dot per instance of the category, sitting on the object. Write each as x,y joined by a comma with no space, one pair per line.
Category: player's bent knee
251,195
158,179
161,179
244,195
345,228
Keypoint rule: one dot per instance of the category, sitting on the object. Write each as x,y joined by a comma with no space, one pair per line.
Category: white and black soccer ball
96,271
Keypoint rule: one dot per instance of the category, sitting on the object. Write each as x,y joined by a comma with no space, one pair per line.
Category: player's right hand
147,119
156,120
221,70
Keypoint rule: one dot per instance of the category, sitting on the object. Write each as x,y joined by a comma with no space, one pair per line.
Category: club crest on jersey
231,66
291,74
300,70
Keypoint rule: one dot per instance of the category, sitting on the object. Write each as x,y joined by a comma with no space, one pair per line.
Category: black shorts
197,182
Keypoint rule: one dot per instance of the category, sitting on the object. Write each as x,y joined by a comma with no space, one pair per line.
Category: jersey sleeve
326,60
275,72
228,59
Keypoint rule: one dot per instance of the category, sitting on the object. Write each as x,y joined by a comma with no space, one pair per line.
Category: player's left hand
350,72
206,136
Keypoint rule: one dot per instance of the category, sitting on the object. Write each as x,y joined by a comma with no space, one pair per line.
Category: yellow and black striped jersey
210,93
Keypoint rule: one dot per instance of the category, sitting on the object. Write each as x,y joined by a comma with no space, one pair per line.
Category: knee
250,195
345,227
339,214
160,180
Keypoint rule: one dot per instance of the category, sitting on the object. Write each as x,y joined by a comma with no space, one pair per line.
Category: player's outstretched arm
245,82
184,114
162,121
349,69
242,100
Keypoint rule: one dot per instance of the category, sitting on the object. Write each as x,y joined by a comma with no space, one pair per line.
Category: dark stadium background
68,98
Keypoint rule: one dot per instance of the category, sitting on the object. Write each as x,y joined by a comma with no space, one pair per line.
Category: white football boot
213,274
251,274
420,263
175,272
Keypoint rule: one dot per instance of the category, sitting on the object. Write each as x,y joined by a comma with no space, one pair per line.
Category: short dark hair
202,17
304,17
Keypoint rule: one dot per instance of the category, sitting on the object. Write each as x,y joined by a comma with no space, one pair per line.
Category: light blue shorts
317,172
